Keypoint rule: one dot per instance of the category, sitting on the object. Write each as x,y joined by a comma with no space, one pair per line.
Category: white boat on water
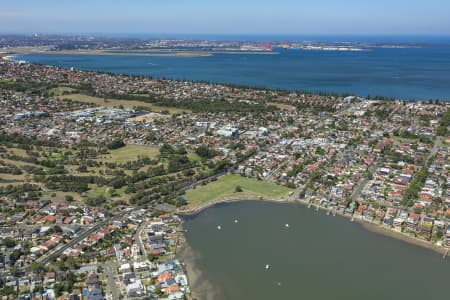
219,227
286,225
267,266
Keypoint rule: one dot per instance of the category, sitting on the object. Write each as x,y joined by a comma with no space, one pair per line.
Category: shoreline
229,199
8,57
11,53
137,53
200,286
106,53
368,225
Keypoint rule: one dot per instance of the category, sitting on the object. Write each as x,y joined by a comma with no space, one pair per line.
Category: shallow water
316,257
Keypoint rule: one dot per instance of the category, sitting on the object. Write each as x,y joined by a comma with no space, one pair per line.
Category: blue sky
326,17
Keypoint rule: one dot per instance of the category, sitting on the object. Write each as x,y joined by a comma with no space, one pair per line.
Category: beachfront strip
89,162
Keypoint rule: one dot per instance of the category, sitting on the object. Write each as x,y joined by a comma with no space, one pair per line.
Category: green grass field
226,185
130,152
107,191
194,156
117,102
60,90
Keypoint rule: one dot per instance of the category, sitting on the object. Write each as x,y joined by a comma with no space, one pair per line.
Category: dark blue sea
403,73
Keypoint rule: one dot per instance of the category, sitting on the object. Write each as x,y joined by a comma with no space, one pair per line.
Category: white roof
125,266
139,264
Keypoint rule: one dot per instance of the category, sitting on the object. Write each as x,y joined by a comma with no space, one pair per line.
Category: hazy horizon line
226,34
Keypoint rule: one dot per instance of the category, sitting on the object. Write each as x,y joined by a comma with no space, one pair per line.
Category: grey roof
95,294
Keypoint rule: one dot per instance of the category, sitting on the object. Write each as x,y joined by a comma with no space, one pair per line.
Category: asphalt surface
84,234
110,275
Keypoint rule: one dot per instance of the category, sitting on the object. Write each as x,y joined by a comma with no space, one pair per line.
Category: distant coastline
393,73
32,50
139,53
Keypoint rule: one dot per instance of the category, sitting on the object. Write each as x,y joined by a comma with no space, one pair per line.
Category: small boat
267,266
235,221
286,225
219,228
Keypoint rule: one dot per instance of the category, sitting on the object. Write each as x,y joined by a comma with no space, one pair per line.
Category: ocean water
403,73
318,257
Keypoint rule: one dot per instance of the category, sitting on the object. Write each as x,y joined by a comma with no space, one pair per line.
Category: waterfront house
413,221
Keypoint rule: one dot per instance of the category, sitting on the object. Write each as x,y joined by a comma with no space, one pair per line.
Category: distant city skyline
322,17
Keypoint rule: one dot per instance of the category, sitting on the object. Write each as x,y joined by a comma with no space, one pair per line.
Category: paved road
278,168
84,234
138,239
436,145
110,274
359,188
45,260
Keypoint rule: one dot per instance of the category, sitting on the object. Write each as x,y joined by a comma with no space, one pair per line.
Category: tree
205,152
9,242
439,233
58,288
320,151
238,189
166,149
68,198
445,122
57,228
36,267
7,290
411,193
116,144
14,271
70,281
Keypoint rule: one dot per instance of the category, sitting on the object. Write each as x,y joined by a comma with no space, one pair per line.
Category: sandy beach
7,57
